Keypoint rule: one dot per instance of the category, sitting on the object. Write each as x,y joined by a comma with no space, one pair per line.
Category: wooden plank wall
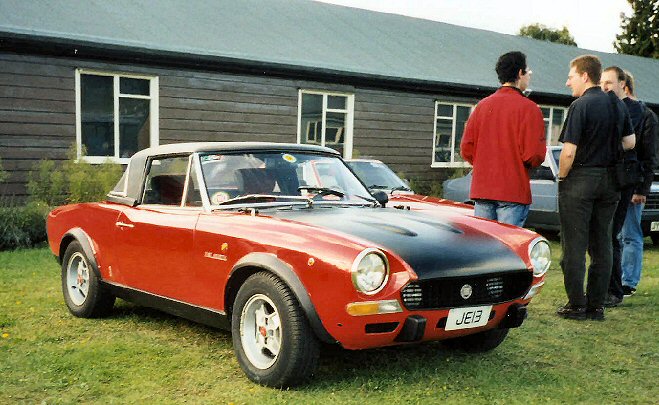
37,114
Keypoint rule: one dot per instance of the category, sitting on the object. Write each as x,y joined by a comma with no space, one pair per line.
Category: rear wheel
84,294
655,238
479,342
272,339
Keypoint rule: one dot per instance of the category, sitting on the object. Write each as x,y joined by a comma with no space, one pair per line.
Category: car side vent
412,296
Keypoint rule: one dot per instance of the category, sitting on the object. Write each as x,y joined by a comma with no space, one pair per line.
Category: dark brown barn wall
396,128
37,114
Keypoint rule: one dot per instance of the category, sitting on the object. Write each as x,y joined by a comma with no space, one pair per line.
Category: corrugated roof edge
23,43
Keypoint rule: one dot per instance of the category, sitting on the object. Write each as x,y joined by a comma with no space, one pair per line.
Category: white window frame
455,105
153,98
551,119
349,111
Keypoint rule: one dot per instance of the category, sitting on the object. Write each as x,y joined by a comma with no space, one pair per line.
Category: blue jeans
502,211
632,246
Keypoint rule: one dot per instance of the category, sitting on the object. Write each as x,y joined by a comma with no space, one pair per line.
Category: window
450,120
116,115
554,117
326,119
166,181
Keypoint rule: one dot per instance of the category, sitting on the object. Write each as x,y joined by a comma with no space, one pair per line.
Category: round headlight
540,256
370,271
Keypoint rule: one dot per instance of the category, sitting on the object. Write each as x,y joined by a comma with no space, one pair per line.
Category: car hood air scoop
433,248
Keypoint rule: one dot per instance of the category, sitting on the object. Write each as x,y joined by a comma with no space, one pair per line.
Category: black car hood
433,248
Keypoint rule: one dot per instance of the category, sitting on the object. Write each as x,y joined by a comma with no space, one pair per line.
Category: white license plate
468,317
654,226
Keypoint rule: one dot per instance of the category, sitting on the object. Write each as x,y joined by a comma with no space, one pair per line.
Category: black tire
298,348
84,294
479,342
655,238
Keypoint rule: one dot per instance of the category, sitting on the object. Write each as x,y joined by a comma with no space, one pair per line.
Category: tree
640,31
544,33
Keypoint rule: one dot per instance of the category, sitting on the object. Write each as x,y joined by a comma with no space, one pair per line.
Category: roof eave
61,47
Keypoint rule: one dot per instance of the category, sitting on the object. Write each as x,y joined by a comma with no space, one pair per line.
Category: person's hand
638,199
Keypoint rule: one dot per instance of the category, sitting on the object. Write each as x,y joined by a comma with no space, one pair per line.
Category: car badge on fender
465,291
215,256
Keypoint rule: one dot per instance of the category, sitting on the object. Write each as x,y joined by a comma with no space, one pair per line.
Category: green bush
431,188
22,225
47,184
51,184
72,181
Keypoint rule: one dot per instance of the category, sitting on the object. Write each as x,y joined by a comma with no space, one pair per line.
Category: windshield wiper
321,191
373,201
401,188
377,187
257,198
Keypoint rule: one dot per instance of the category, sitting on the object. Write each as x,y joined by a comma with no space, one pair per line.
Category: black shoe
596,314
628,291
567,311
612,301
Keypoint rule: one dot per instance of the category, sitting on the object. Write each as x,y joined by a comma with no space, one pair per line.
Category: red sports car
246,236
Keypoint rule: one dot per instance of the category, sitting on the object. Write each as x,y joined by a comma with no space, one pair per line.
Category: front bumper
651,210
415,325
364,332
648,216
416,320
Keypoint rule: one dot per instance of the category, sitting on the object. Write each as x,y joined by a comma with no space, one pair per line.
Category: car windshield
377,175
239,178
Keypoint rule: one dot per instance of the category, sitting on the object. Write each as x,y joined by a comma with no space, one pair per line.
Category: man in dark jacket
632,234
614,80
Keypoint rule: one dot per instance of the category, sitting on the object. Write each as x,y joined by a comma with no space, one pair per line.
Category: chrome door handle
124,225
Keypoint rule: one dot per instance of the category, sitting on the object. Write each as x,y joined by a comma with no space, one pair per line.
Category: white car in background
377,176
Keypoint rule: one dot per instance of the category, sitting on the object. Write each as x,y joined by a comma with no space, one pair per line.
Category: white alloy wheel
77,278
260,331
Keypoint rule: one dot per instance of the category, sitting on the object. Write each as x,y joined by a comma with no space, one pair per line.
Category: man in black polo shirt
587,196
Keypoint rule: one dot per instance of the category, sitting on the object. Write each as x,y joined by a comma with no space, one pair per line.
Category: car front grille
652,202
485,289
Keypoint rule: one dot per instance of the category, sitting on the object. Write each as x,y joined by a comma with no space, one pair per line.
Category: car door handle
124,225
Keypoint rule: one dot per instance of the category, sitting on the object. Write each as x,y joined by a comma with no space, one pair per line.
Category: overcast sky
593,23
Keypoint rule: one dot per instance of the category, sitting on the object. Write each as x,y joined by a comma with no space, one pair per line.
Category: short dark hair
590,64
629,82
509,65
619,72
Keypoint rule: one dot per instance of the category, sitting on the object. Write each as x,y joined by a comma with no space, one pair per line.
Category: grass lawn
140,355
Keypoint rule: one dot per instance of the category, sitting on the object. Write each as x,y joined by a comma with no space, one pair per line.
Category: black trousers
615,282
587,200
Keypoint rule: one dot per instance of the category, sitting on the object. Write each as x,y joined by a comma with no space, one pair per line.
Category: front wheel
84,294
272,339
479,342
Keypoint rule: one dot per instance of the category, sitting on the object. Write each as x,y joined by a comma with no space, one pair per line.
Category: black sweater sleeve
646,151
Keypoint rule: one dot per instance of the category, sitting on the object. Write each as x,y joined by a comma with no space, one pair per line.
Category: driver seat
255,181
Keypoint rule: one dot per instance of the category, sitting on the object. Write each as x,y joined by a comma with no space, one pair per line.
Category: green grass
140,355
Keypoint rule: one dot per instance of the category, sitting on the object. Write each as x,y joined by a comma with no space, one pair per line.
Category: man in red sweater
503,139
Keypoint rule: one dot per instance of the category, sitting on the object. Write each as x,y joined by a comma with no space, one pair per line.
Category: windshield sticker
289,158
219,197
210,158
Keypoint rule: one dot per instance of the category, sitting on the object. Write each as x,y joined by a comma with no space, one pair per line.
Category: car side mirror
381,197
